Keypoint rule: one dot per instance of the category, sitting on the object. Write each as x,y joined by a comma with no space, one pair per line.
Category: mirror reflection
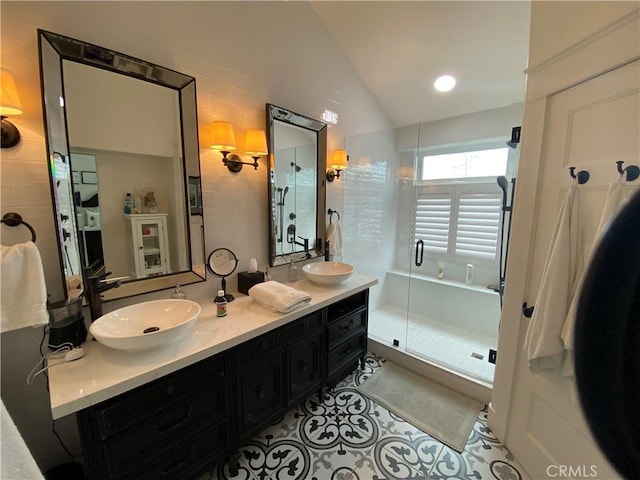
297,146
126,131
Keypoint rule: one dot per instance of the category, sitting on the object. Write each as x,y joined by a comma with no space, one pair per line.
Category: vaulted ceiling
399,48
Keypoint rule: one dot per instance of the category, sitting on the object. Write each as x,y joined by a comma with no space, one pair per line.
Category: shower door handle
419,249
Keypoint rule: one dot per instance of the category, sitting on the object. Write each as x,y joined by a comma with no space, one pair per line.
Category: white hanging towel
334,237
615,200
24,293
563,268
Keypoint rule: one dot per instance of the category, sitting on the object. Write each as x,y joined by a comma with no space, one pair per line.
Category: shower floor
440,343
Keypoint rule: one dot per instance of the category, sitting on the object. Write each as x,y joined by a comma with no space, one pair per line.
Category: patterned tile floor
349,437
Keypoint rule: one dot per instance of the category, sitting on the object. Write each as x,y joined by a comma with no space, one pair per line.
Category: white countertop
104,373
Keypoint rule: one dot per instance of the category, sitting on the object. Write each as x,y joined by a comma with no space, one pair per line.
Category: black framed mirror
122,140
297,185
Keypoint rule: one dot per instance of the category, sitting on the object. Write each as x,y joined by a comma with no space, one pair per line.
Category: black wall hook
632,171
582,176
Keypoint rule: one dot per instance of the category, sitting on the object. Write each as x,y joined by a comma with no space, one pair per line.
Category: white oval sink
327,273
145,325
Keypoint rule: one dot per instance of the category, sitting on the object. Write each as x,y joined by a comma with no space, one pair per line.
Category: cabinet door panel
304,368
260,393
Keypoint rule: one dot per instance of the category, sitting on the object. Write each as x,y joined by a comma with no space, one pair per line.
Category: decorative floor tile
347,436
460,466
411,456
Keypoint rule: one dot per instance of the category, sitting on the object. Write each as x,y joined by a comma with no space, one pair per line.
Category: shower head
503,183
298,168
284,194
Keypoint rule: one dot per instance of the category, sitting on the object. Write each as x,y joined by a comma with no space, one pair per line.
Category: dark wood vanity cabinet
172,428
277,370
181,425
346,336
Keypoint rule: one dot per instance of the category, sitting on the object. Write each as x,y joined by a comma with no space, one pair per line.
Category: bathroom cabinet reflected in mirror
297,159
122,136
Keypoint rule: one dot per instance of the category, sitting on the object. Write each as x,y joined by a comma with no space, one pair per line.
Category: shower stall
430,221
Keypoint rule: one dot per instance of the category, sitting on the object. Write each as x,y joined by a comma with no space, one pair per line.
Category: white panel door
589,126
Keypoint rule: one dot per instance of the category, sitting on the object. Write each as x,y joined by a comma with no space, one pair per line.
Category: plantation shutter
433,217
478,225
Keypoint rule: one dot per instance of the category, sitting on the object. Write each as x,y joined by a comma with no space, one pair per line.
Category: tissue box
247,280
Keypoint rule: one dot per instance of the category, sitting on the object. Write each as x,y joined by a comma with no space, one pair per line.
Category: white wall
243,55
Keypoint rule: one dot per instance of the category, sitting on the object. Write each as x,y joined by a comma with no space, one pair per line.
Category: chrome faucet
96,284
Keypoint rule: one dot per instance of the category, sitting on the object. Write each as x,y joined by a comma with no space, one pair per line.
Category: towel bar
13,220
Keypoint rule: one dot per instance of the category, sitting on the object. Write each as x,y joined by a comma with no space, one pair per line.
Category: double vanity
177,410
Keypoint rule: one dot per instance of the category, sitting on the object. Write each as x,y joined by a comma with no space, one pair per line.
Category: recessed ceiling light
444,83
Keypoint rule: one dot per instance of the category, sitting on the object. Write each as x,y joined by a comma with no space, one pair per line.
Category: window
473,164
458,205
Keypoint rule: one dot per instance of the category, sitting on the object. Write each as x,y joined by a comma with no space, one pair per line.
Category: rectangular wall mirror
297,163
118,125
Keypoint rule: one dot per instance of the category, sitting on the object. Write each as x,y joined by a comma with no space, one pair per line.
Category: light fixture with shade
223,139
9,105
338,163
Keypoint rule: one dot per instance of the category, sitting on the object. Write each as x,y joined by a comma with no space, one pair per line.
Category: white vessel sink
145,325
327,273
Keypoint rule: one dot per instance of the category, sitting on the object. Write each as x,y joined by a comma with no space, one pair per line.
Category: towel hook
13,220
582,176
331,212
632,171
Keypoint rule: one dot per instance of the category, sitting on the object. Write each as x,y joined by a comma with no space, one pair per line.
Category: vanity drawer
347,351
125,451
347,306
346,327
190,458
145,402
278,340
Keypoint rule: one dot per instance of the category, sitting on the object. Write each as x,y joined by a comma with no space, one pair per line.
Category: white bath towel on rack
24,294
334,237
278,297
563,267
614,202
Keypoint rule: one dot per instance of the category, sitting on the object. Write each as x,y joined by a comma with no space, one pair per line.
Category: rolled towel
278,297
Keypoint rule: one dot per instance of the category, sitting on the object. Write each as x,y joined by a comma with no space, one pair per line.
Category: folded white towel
278,297
24,293
334,237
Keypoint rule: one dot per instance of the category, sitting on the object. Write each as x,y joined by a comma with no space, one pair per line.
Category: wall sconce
9,105
224,140
338,163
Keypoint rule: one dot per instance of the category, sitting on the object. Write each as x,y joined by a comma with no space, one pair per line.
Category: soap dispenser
292,272
178,293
